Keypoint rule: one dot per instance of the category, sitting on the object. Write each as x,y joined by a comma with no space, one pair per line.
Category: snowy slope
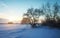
31,33
42,32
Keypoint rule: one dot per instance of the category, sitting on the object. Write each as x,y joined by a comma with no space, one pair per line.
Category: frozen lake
25,31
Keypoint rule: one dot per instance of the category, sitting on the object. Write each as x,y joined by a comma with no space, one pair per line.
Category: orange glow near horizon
16,19
11,18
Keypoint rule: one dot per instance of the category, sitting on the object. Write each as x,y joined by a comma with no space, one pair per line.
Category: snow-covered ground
25,31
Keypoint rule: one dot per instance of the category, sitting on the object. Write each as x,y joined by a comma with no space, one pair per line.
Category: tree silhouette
56,9
50,13
33,15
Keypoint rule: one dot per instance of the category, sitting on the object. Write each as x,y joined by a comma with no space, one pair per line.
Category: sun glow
11,18
41,19
15,19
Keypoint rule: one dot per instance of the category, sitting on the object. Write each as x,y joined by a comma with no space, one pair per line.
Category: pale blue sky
16,8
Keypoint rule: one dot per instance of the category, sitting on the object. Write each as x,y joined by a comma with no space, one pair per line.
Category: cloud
3,4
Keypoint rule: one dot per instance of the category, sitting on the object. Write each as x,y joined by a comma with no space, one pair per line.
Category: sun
41,19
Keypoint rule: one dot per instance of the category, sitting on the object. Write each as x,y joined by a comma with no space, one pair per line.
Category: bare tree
56,10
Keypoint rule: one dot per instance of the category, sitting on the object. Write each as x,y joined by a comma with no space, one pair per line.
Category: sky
14,9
